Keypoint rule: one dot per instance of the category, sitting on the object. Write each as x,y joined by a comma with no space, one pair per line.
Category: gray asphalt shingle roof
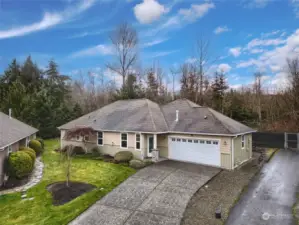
13,130
146,116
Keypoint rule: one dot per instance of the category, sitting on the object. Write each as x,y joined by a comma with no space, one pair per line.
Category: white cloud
256,3
154,42
235,51
182,18
236,86
220,30
149,11
191,60
295,4
196,11
92,51
223,67
256,50
90,33
162,53
48,20
265,42
250,62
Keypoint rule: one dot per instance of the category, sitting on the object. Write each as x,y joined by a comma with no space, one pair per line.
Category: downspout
233,152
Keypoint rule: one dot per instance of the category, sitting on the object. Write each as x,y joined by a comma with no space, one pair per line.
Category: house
180,130
13,134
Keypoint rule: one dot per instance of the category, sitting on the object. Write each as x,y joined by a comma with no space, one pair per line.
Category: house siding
4,154
242,155
111,143
225,146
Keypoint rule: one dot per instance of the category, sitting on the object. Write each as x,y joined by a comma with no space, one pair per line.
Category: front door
150,145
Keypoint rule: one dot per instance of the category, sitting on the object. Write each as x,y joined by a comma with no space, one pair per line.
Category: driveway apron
155,195
270,197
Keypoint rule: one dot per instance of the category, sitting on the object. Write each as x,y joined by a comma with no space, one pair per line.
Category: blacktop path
270,197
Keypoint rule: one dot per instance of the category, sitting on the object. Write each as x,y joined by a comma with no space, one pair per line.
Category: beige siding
162,145
241,155
225,146
111,143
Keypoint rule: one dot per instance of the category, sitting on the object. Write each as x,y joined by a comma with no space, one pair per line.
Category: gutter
3,147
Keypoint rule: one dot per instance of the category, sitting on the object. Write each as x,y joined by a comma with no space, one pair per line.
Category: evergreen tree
152,86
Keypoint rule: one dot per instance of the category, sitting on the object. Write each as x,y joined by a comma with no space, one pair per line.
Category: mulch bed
223,190
13,182
63,194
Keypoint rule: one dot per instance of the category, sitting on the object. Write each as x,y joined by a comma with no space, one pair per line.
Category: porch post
297,141
155,141
285,140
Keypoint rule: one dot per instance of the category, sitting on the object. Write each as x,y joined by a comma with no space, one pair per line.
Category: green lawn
39,211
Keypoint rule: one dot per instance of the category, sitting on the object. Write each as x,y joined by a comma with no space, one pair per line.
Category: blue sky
245,36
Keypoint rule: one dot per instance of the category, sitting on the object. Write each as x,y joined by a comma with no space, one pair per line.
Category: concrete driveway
270,197
155,195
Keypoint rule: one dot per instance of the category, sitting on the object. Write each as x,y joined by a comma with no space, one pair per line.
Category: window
86,138
9,149
184,140
195,141
243,141
189,140
78,137
100,138
173,139
124,140
178,140
137,138
215,142
209,142
202,141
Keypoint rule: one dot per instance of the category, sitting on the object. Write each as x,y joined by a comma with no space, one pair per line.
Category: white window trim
243,141
9,149
127,141
98,138
85,139
137,149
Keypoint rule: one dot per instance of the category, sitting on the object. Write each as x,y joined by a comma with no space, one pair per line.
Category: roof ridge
151,115
211,110
163,116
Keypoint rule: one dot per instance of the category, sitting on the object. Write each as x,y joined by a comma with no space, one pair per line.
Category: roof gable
13,130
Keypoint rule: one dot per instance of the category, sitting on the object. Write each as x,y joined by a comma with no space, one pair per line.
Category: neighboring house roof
144,115
13,130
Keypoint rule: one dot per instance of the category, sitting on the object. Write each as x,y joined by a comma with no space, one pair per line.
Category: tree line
47,99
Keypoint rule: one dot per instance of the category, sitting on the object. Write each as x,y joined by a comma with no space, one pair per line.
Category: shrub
36,146
29,151
20,164
137,164
123,156
41,141
78,150
95,150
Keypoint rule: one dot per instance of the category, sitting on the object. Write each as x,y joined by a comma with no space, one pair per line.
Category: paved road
270,197
156,195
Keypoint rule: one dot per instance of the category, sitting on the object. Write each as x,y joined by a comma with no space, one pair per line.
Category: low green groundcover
40,210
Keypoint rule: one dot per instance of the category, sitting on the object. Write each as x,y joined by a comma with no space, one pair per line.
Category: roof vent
94,120
206,117
176,115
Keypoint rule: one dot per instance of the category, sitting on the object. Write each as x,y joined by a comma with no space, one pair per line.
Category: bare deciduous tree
125,42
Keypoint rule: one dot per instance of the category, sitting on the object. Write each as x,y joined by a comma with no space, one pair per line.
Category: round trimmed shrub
137,164
36,146
123,156
41,141
20,164
30,151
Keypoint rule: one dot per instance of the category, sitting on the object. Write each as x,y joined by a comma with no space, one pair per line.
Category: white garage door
201,151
